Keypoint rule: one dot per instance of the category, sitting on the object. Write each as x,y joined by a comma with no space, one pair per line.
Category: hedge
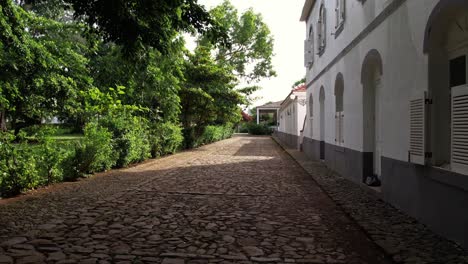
107,143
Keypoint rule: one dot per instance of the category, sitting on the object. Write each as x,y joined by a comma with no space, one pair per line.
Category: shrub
215,133
94,153
49,155
259,129
98,143
17,167
165,138
130,138
243,128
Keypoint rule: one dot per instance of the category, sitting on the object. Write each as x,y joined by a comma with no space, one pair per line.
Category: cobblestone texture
402,237
242,200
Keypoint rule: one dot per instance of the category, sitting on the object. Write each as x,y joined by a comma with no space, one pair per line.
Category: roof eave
308,5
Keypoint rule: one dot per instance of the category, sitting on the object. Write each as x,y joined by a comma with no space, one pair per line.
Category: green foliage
151,80
162,97
130,137
49,156
251,44
165,138
17,167
215,133
208,96
261,129
98,141
154,23
95,153
299,82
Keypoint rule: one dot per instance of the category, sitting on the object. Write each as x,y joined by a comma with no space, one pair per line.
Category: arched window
322,30
441,139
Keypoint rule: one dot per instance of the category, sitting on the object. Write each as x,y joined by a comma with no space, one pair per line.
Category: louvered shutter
418,112
337,128
324,28
343,10
307,52
341,128
459,161
319,35
337,13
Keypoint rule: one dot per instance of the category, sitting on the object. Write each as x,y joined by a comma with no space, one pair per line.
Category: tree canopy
56,56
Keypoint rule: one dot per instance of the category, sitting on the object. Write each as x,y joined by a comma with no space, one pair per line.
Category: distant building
268,113
387,97
292,116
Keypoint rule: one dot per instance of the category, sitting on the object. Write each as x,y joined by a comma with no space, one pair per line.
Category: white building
388,97
268,113
292,115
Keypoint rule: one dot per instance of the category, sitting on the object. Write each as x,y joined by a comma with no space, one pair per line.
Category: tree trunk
3,126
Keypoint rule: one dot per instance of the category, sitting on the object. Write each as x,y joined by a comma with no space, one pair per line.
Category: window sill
338,30
448,177
321,51
340,148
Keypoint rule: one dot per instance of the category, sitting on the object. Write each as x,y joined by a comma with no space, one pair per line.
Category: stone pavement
400,236
242,200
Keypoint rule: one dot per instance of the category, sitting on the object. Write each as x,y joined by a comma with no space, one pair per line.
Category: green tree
152,79
208,95
140,23
299,82
44,82
250,48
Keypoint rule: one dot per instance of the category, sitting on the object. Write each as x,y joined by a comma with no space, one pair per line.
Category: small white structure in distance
292,116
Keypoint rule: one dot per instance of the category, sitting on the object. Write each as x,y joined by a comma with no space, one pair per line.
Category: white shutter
306,53
343,10
319,35
341,128
337,128
337,13
418,111
324,28
459,129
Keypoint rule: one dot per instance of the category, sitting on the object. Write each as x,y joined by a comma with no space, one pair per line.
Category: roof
246,117
300,88
271,105
308,5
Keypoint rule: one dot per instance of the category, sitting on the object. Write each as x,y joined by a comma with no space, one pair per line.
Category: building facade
292,115
387,101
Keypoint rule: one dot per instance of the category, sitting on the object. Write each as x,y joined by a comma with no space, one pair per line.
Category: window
339,16
321,30
458,71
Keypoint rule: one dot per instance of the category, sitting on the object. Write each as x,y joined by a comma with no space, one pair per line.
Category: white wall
293,123
399,40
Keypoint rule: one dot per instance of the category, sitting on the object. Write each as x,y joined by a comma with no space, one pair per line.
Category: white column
258,116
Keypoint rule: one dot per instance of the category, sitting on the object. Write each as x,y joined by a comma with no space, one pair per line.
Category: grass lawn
68,137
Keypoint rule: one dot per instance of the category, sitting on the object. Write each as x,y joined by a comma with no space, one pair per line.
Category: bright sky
282,18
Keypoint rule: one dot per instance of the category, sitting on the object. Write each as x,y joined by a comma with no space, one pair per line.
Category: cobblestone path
242,200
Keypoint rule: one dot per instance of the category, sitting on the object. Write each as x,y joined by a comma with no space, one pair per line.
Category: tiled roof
301,88
271,105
